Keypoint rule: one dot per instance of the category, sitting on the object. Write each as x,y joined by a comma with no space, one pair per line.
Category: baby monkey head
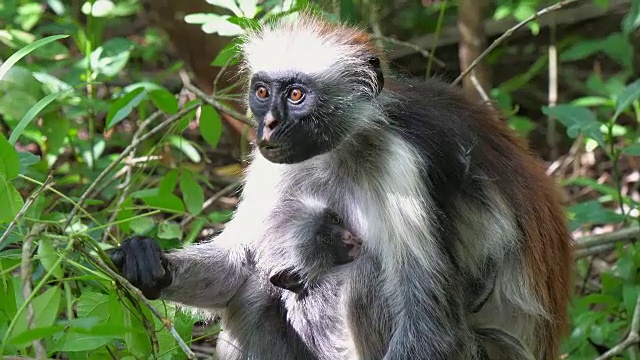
312,84
330,243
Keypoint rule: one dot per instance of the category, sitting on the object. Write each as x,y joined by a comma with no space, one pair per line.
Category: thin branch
415,47
217,105
133,290
510,32
134,144
27,289
211,200
479,89
632,338
32,198
592,245
552,140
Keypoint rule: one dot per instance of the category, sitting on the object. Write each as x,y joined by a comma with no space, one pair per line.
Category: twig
415,47
134,144
510,32
187,219
132,289
128,164
553,88
24,208
217,105
478,86
25,276
591,245
632,338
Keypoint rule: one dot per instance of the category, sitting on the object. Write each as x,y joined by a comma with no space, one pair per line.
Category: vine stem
510,32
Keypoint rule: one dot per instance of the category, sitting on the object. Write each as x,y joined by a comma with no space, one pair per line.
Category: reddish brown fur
536,200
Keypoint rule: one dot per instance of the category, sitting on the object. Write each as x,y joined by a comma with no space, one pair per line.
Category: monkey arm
206,275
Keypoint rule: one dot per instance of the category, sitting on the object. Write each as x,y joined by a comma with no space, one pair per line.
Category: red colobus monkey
437,187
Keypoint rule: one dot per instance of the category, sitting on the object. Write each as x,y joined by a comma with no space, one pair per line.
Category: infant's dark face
336,239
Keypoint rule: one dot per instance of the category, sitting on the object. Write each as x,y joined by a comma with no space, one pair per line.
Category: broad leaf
45,308
141,225
92,304
164,101
9,161
169,230
192,193
48,257
111,58
577,120
10,199
186,147
632,150
626,97
122,107
210,125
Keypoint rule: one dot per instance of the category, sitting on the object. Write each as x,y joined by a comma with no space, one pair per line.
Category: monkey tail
502,345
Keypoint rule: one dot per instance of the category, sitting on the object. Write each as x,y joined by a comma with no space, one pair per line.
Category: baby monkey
332,244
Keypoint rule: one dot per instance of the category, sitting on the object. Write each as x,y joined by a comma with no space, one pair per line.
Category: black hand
143,263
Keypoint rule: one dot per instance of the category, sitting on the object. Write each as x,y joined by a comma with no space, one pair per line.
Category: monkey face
300,116
292,124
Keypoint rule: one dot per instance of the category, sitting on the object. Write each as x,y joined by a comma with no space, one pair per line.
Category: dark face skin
289,118
332,238
297,116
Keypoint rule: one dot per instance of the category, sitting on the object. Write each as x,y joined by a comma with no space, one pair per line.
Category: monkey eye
325,239
296,95
262,92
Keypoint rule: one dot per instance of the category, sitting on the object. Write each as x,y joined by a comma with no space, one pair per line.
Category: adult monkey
436,186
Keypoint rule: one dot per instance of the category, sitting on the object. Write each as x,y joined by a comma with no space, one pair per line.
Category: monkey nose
270,124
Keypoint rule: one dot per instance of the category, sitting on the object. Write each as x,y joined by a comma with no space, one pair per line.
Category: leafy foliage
129,154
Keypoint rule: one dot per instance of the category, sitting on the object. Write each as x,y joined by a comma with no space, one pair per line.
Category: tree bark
473,41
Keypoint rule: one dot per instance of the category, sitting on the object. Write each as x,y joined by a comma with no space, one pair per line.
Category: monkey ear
374,61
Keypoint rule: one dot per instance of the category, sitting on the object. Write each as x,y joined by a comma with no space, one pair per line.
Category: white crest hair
307,45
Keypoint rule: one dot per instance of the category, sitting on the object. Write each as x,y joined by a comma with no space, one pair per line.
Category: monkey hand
142,262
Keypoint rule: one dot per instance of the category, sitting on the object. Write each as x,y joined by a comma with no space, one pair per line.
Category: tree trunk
472,43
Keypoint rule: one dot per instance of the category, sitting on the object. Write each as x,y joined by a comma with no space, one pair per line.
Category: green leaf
10,199
122,107
626,97
169,230
229,55
9,161
166,202
25,338
192,193
577,120
111,58
186,147
32,113
581,50
48,256
210,125
632,150
141,225
45,308
93,304
169,182
164,101
73,342
25,51
138,343
26,160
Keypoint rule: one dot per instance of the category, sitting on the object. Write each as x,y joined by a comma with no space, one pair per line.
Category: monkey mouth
273,152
